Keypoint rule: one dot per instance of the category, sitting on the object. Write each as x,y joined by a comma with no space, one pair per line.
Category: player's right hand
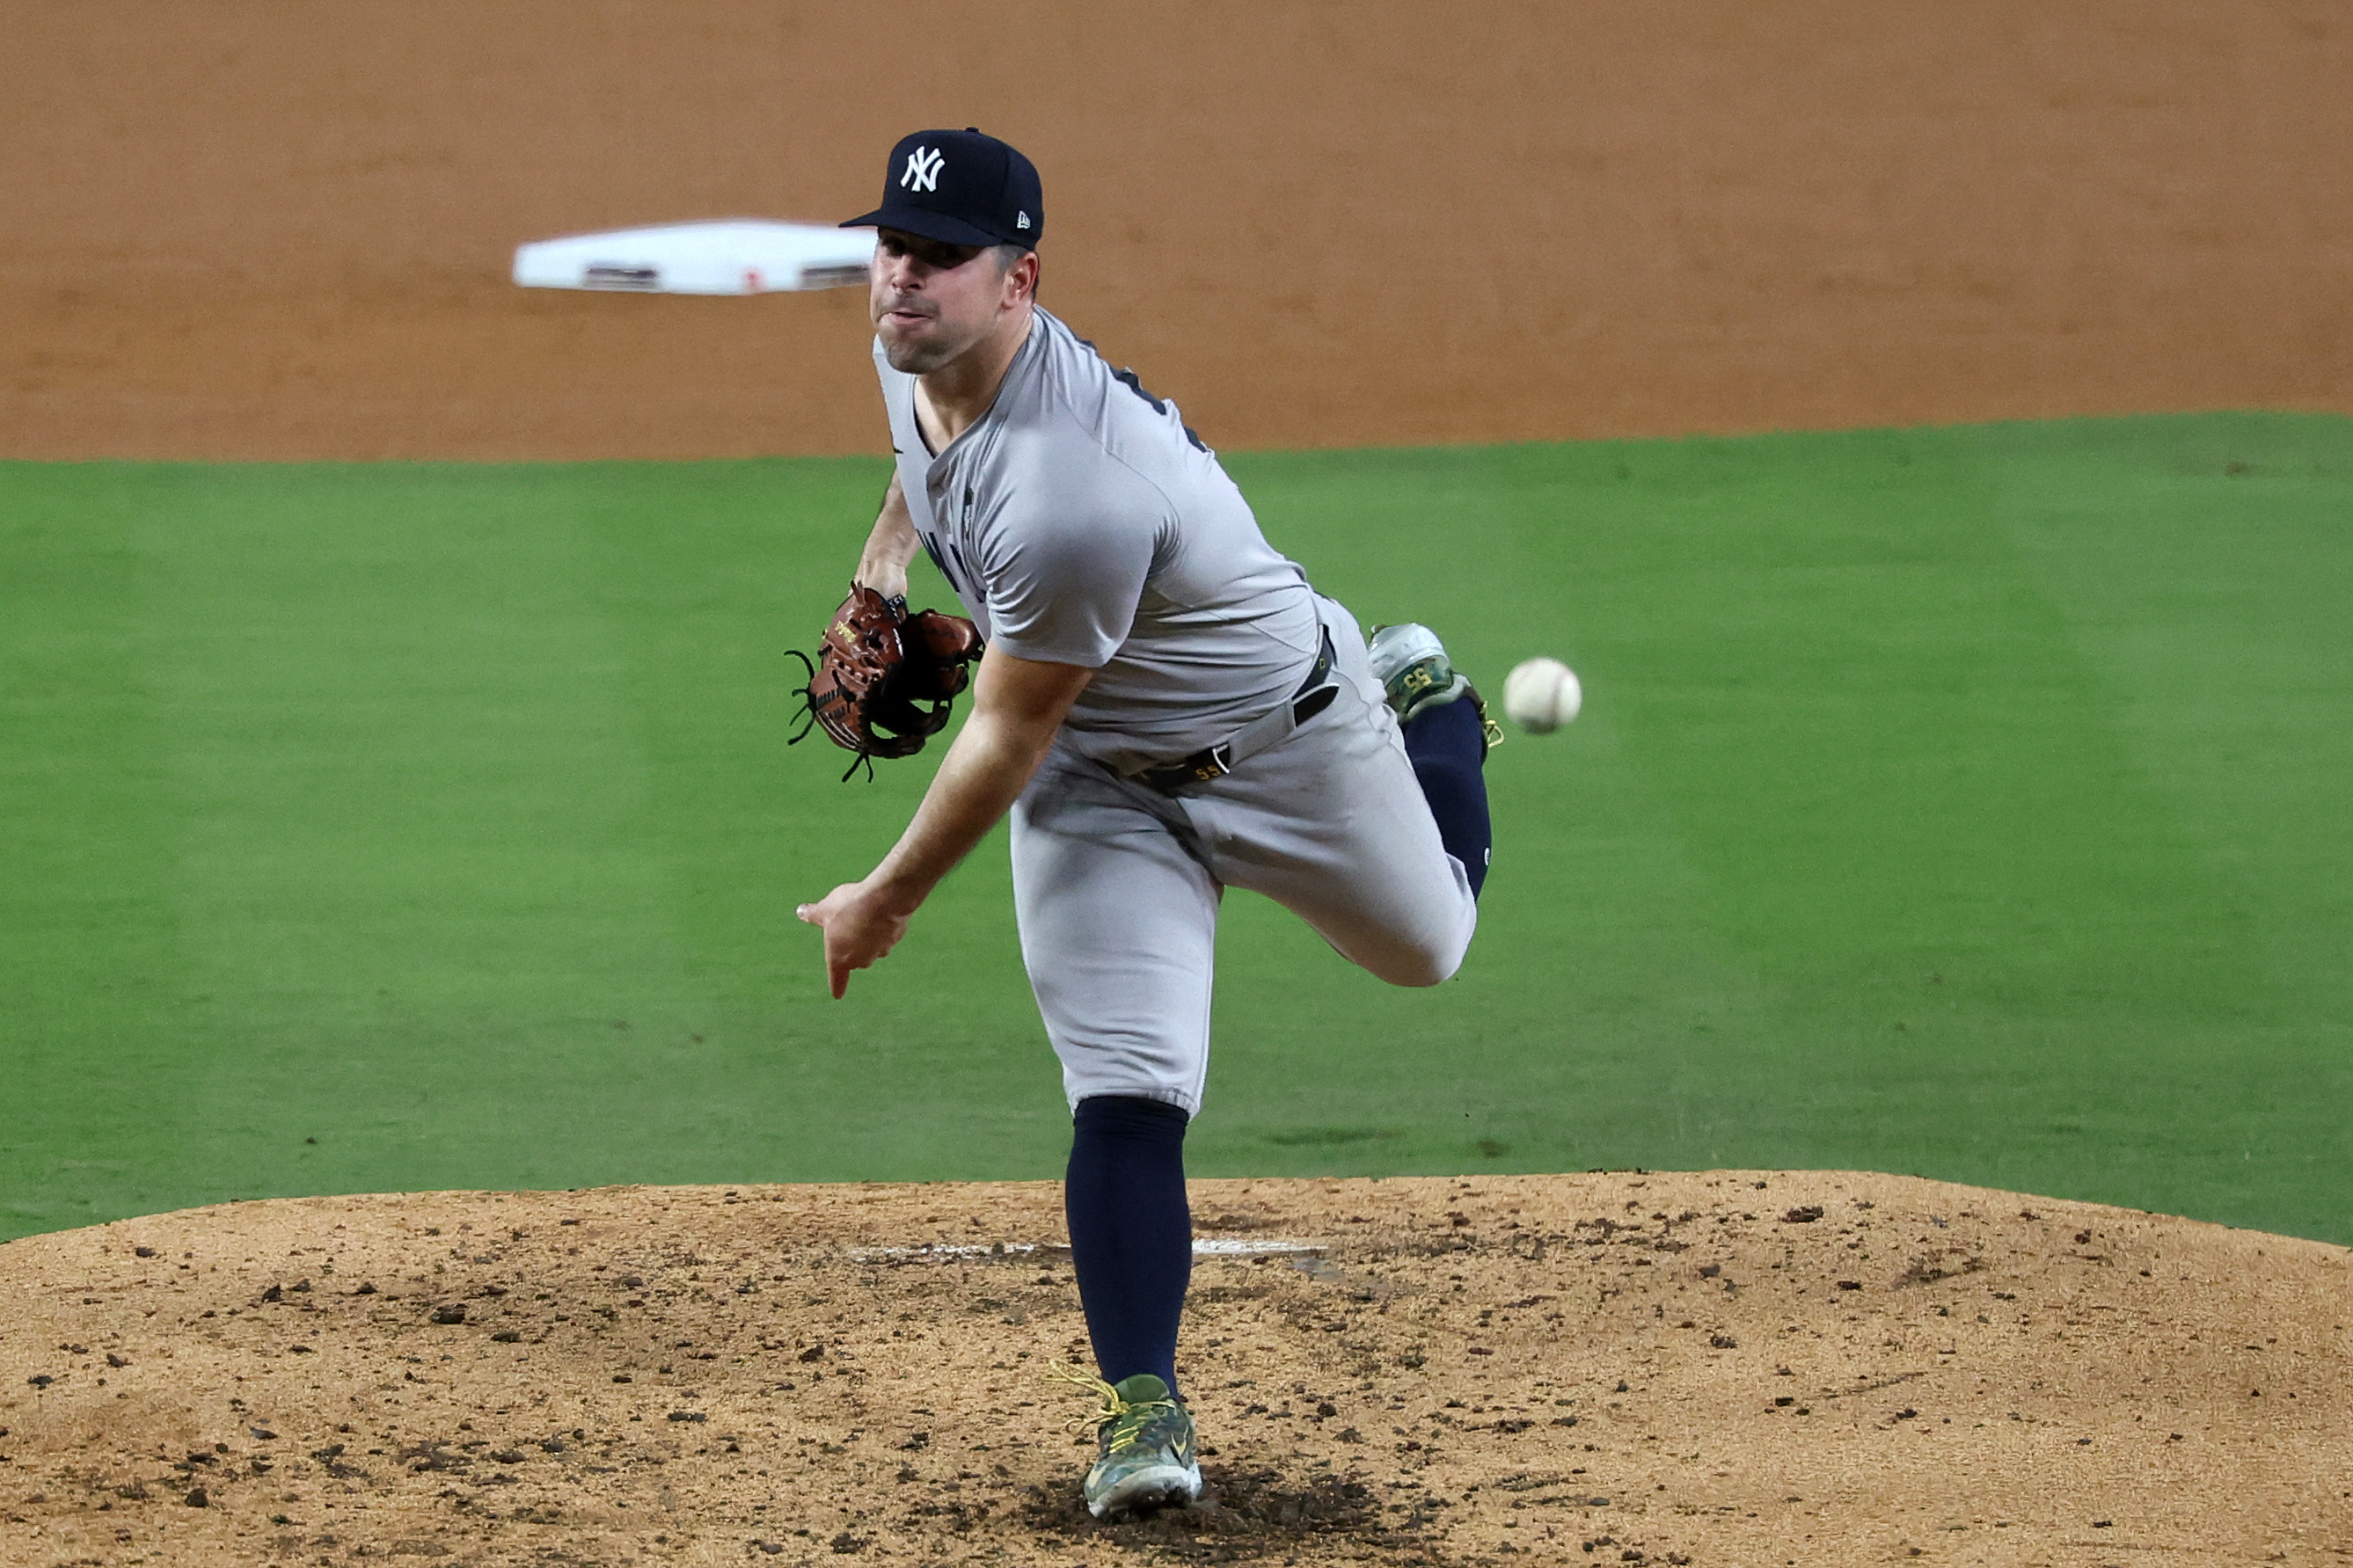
859,927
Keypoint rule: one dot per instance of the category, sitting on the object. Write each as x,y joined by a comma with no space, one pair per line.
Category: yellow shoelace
1114,1407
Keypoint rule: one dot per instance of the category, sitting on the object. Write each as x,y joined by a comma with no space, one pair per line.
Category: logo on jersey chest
948,555
923,170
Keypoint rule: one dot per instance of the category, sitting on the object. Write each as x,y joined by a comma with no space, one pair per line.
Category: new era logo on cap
960,187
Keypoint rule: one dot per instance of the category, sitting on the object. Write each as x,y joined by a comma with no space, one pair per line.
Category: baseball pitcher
1167,708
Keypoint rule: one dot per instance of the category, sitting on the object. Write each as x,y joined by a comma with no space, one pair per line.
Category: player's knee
1422,964
1432,974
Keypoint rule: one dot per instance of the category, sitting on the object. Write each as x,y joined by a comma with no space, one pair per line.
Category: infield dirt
1718,1368
235,233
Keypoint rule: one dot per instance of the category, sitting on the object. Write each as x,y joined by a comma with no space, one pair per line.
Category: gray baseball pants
1116,887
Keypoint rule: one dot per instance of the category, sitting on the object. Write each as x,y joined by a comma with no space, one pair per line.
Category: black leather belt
1315,695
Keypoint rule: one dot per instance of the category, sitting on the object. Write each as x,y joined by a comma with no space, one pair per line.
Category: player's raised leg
1339,825
1447,736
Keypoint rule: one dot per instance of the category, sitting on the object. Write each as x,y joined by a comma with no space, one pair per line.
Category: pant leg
1118,917
1332,824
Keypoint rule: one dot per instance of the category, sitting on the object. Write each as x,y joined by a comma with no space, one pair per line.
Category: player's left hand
860,928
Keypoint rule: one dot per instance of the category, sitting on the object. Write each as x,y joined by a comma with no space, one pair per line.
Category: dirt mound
1711,1368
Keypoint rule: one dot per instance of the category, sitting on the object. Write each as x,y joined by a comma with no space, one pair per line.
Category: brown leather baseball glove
884,680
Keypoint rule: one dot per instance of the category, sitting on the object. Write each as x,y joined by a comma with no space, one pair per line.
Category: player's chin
914,351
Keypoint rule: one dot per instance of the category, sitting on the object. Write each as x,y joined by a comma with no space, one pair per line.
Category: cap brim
927,224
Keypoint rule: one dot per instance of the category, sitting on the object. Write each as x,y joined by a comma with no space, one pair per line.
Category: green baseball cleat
1143,1446
1412,665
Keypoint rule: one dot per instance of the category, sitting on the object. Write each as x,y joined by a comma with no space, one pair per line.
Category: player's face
933,301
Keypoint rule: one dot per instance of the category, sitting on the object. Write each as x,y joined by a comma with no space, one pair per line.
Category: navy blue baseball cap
959,187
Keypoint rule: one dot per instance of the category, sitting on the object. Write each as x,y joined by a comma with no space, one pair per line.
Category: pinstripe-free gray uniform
1080,522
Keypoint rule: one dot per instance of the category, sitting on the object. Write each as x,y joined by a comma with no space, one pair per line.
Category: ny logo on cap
923,170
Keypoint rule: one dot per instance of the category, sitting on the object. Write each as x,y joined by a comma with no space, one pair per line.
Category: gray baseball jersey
1081,522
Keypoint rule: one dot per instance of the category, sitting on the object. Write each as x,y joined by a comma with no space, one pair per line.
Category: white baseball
1541,695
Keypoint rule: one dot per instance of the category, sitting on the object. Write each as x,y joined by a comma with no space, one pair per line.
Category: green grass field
1969,803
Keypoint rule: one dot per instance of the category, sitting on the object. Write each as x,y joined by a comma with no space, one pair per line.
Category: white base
731,256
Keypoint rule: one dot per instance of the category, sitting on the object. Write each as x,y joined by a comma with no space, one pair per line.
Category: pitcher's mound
1719,1368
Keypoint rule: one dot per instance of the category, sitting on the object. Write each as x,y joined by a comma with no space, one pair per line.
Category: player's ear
1021,279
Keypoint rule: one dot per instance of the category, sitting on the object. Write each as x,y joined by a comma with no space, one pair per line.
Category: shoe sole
1147,1491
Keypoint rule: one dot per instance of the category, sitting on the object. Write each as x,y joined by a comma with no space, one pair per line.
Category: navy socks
1131,1231
1446,748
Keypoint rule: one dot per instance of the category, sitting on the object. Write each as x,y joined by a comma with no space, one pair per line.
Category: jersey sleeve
1063,574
